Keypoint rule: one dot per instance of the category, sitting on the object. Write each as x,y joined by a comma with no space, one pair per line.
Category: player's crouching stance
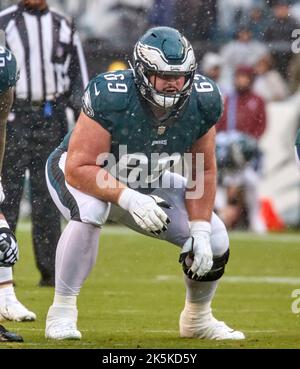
160,106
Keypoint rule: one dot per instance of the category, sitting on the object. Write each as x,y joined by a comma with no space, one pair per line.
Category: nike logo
96,91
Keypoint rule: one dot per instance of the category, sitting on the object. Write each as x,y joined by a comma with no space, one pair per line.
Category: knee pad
216,271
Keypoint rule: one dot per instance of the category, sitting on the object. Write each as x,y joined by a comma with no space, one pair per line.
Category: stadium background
103,27
263,270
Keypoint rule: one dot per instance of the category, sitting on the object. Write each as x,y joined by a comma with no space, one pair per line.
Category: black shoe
49,282
6,336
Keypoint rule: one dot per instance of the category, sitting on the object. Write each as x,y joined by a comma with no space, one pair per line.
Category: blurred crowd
249,47
239,31
224,33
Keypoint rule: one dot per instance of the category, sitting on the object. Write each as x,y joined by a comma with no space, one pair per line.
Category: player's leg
13,175
10,307
196,319
46,227
251,181
76,250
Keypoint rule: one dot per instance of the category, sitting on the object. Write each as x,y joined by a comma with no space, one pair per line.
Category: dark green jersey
8,69
112,100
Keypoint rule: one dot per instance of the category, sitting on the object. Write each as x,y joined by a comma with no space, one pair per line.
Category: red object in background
251,115
271,218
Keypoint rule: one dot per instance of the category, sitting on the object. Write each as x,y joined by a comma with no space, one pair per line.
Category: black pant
30,139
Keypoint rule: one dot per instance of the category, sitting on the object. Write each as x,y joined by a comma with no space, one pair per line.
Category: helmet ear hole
164,50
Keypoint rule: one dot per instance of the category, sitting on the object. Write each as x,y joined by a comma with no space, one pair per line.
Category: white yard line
170,331
260,331
37,329
241,279
243,236
262,280
269,237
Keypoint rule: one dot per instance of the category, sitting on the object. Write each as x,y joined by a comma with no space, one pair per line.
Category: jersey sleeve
9,74
210,100
91,105
105,96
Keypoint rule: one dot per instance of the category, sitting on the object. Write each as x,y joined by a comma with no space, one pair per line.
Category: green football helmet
164,51
9,74
234,150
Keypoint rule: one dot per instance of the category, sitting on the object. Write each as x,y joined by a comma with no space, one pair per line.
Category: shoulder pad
210,100
9,74
106,94
110,92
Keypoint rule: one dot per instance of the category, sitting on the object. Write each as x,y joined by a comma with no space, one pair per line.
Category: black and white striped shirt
48,52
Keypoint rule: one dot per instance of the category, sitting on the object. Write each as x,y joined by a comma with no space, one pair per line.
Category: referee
53,75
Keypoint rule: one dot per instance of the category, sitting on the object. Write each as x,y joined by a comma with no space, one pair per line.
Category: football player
160,106
10,307
239,161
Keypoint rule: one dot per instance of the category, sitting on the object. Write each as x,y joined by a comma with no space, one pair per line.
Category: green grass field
135,294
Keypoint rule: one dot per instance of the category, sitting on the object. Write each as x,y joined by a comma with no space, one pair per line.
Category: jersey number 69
115,87
203,86
2,58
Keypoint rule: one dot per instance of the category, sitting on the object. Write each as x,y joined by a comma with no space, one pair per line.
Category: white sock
201,292
75,256
6,275
67,301
63,307
198,309
7,294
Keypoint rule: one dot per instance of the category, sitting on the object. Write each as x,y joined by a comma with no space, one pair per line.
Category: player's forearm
6,99
96,182
201,208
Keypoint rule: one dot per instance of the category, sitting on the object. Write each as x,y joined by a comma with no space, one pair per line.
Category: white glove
2,195
9,252
196,255
145,210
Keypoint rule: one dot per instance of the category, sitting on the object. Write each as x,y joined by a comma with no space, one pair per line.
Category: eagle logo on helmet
155,59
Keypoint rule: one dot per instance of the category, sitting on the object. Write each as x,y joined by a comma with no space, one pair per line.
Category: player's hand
196,255
2,195
146,210
9,252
